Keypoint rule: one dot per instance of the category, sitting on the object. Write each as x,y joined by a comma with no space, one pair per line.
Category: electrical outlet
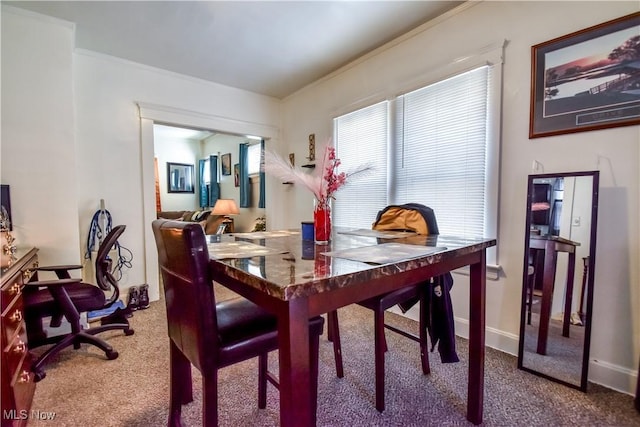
576,221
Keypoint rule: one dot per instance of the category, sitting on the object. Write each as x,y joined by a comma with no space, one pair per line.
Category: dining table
296,279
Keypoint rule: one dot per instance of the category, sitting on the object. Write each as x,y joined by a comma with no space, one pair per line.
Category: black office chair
405,298
67,297
212,335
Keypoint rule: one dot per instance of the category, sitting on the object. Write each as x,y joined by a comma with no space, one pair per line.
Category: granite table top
284,266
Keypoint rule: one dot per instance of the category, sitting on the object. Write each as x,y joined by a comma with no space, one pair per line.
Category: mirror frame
590,279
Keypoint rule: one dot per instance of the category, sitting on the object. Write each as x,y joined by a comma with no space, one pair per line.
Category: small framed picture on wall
236,174
226,164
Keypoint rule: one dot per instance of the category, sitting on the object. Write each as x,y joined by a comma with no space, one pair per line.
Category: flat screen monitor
5,204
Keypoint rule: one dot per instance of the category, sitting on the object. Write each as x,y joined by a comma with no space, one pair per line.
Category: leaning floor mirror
557,282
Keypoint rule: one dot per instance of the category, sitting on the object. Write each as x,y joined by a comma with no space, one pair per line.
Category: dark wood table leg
333,334
295,370
568,299
477,301
549,275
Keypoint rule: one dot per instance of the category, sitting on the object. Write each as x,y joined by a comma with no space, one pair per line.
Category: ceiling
269,47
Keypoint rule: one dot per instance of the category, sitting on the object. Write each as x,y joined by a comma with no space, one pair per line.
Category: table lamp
225,207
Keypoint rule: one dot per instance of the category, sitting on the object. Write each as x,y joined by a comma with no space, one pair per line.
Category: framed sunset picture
587,80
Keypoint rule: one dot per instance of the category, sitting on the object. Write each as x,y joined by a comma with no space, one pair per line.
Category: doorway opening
197,148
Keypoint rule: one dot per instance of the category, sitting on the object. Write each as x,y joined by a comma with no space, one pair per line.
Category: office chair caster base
129,332
111,355
38,375
118,316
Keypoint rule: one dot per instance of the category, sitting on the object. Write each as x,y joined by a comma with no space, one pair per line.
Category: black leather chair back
191,316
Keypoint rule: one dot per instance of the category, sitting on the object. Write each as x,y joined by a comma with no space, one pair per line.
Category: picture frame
236,174
180,178
226,164
586,80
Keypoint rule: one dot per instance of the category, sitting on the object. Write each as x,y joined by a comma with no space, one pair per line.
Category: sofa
208,221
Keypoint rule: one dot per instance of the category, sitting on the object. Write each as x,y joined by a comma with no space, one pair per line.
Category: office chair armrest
61,271
56,282
59,267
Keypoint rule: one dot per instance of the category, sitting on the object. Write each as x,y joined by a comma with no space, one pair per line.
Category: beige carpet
82,388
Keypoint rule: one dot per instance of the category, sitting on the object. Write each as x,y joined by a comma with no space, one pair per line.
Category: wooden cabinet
18,385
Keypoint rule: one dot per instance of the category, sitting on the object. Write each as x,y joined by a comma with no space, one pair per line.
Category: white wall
38,140
177,150
109,88
615,152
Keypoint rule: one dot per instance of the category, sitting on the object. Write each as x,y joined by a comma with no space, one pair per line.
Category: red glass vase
322,220
321,266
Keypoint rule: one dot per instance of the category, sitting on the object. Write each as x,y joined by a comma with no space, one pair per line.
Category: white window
206,173
443,148
253,159
364,133
441,160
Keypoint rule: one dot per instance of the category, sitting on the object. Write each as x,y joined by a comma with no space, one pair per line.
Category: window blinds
436,154
361,138
440,160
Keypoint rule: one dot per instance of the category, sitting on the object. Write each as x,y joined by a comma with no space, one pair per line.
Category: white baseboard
493,338
613,376
603,373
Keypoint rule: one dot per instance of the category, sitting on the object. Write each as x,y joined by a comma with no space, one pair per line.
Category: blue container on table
308,249
307,230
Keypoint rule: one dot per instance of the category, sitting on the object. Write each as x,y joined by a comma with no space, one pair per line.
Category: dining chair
409,217
211,335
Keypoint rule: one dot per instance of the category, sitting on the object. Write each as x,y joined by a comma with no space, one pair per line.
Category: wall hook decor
312,147
312,152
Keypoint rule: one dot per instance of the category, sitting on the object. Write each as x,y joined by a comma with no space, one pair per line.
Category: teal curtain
262,188
214,187
204,191
245,186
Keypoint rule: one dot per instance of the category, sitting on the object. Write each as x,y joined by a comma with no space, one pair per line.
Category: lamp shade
225,207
